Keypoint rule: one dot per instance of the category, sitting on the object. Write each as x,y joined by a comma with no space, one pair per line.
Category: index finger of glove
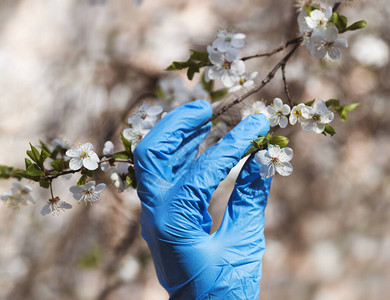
155,152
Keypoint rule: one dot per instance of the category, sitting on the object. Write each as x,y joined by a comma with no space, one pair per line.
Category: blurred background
75,70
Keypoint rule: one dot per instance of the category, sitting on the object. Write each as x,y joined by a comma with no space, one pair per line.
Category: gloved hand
175,189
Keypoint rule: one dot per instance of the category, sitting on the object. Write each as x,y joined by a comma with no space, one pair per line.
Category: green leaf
121,155
34,154
344,109
357,25
45,147
34,170
207,86
27,162
58,164
86,172
82,180
5,171
128,181
329,130
44,155
282,141
44,183
310,103
197,60
126,144
218,94
131,176
259,144
191,71
332,103
200,56
340,21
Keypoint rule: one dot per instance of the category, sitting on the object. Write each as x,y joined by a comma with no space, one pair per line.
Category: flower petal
262,157
284,168
267,171
90,163
74,152
47,209
100,187
283,121
75,163
286,154
274,150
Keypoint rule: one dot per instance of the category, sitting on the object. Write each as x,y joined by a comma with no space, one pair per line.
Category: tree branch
265,81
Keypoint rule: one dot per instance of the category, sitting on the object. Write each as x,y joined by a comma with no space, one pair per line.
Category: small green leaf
340,21
58,164
45,147
126,144
357,25
207,86
44,183
218,94
5,171
82,180
344,109
329,130
128,181
44,155
310,103
191,71
282,141
34,170
200,56
27,162
86,172
259,144
34,154
332,103
131,176
121,155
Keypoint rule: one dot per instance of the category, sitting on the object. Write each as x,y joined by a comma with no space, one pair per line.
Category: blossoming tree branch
320,32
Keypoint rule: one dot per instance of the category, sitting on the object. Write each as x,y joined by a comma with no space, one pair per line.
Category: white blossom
326,44
245,82
108,149
274,159
134,135
146,116
256,107
227,41
82,155
54,206
316,119
318,18
118,176
88,193
20,195
226,68
298,112
278,113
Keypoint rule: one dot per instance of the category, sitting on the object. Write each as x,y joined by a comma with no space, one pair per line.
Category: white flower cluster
141,123
224,55
20,195
312,118
118,174
321,36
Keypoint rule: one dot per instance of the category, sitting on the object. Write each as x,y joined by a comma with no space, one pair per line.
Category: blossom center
226,65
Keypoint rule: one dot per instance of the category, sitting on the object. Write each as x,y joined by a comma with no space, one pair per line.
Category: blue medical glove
175,188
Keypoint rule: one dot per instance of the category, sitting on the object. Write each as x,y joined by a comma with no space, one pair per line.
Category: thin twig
265,81
286,88
276,50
